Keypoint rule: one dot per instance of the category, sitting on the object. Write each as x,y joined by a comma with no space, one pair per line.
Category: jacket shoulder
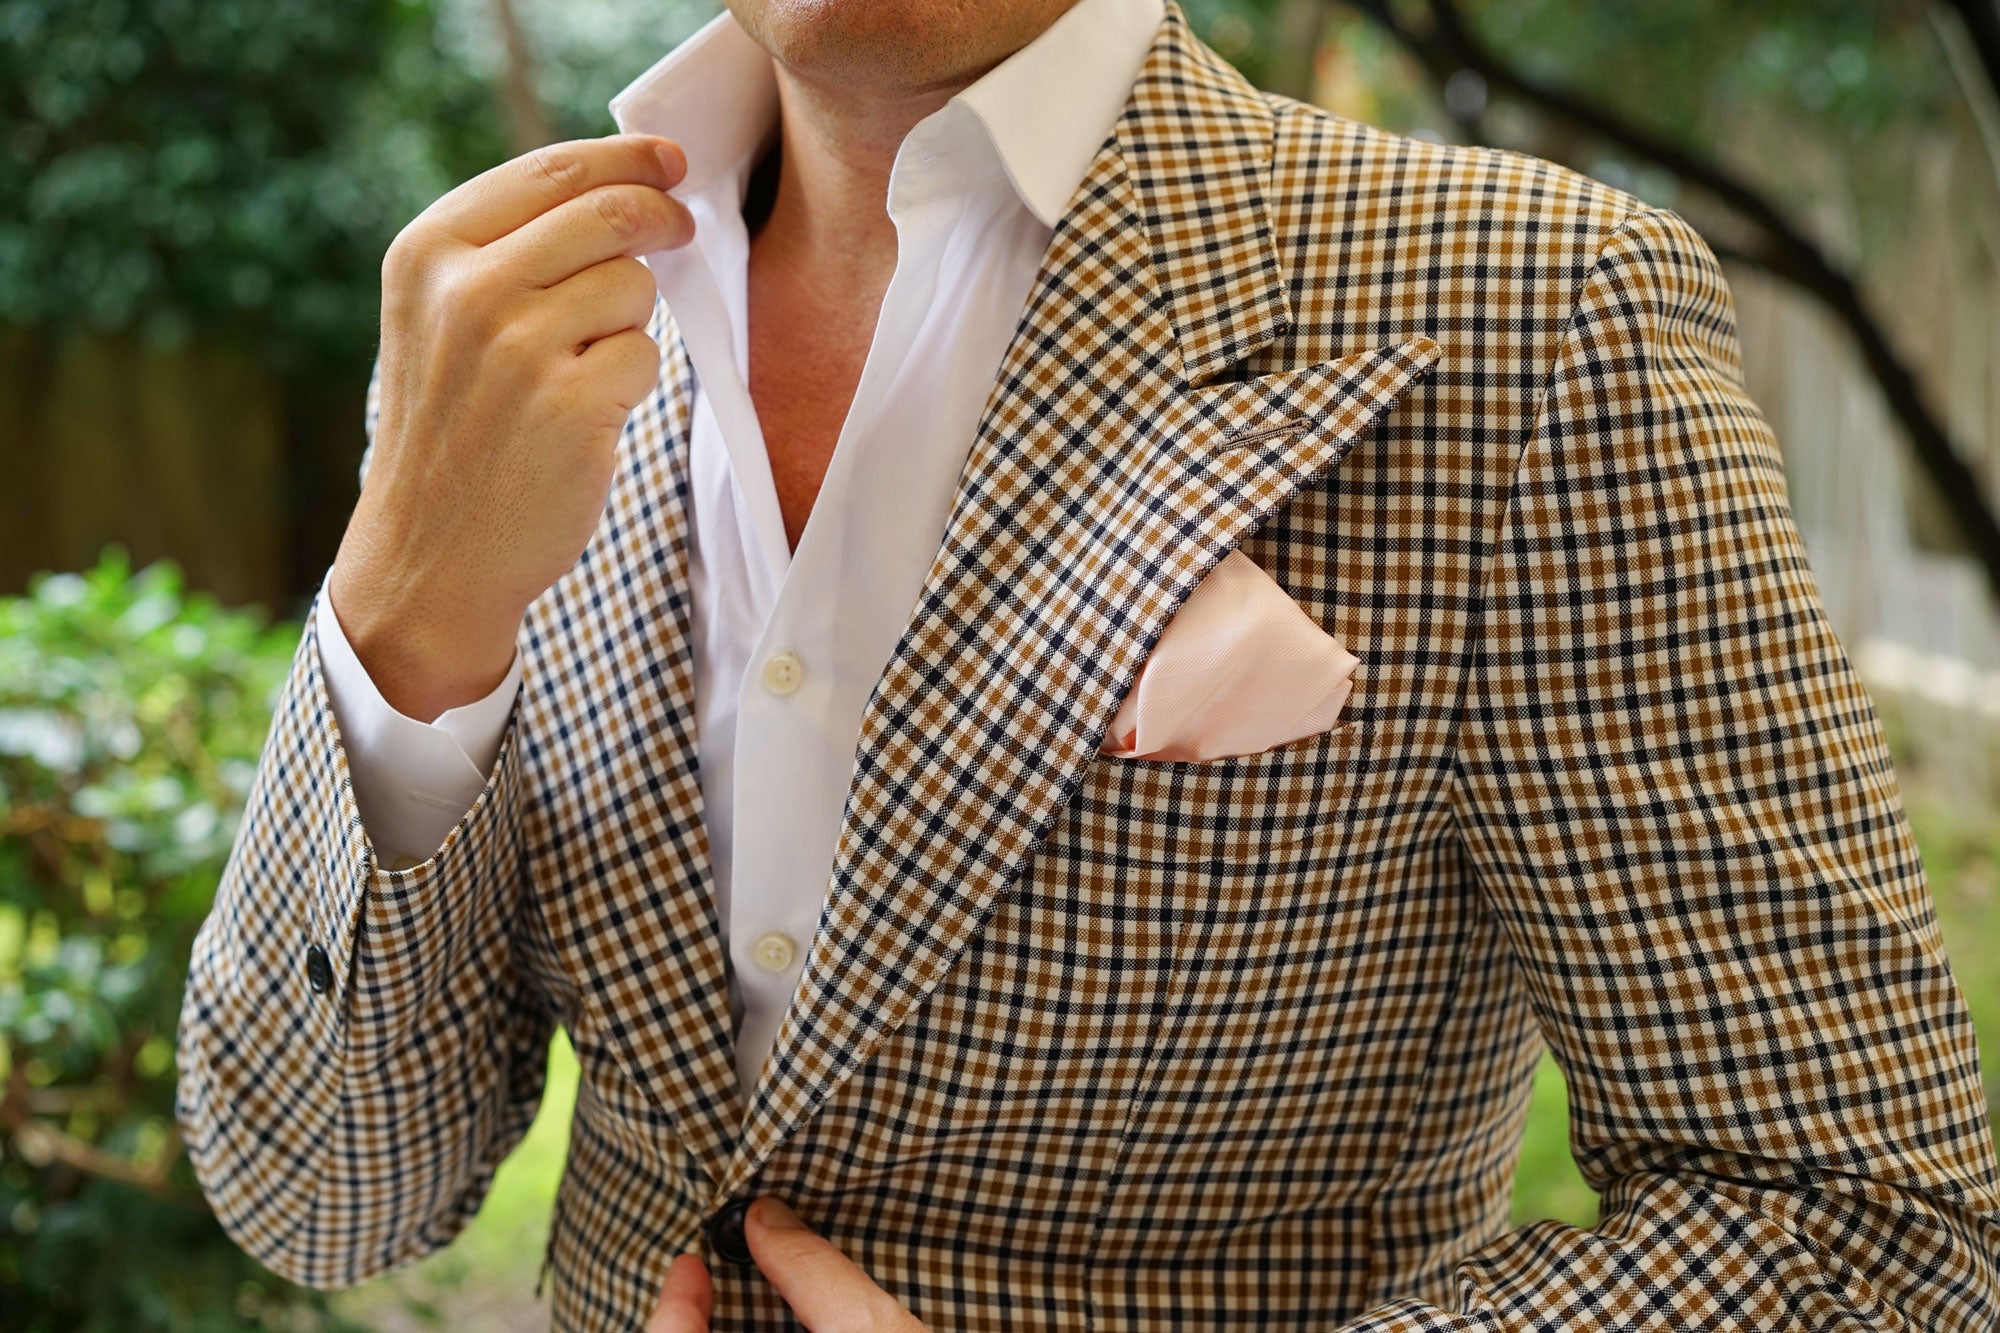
1342,191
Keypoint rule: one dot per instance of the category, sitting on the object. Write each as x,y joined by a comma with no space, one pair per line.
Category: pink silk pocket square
1240,669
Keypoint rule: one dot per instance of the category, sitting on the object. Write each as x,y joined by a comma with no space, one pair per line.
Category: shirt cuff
413,781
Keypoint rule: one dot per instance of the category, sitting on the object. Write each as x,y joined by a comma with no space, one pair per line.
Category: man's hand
513,348
826,1290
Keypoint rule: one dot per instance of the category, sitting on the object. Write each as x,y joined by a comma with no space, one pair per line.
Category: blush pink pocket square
1240,669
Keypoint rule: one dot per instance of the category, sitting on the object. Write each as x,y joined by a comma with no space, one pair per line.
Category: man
1139,649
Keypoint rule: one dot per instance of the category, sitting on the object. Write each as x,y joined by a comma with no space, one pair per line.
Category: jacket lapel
1111,471
634,915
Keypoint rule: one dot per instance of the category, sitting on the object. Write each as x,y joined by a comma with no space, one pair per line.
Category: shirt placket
795,735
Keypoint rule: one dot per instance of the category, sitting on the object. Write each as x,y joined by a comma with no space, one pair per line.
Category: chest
807,351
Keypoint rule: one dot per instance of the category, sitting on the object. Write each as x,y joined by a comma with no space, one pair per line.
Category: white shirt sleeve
413,780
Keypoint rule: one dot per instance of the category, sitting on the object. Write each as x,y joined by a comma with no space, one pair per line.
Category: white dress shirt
789,646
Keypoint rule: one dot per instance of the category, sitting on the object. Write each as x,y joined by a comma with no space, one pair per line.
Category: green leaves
225,168
131,714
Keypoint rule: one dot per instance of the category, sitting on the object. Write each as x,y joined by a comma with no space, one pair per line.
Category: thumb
687,1298
826,1290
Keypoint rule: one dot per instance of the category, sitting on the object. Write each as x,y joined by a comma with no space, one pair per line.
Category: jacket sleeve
358,1049
1677,799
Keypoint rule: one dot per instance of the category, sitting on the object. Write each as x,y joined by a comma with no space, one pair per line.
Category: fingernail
772,1213
671,158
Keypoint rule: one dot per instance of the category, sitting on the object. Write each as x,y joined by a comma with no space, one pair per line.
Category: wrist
424,654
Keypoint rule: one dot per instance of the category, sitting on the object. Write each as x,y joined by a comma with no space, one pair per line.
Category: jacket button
319,972
725,1232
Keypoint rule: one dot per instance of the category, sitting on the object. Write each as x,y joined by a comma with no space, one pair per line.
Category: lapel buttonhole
1242,439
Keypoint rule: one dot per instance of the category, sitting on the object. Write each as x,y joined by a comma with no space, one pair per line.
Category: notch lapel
1110,473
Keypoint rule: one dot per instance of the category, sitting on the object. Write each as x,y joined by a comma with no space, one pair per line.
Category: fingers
604,299
624,367
827,1291
606,222
498,202
687,1299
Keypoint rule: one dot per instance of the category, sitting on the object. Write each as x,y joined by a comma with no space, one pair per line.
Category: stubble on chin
893,47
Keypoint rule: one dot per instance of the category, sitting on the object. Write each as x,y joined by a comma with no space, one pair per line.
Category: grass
486,1278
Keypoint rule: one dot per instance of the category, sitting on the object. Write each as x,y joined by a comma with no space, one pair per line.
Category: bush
224,168
131,714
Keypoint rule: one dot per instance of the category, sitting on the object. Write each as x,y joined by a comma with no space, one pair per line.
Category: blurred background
194,200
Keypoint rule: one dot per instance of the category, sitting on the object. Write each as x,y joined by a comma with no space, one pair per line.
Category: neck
829,215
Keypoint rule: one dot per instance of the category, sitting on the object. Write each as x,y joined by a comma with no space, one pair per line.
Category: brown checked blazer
1135,1045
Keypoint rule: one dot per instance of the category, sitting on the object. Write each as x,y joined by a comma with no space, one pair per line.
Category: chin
894,46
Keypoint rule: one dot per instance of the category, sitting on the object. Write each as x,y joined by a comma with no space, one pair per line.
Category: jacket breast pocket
1258,809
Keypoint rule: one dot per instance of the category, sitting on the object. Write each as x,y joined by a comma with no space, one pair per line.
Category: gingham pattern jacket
1096,1042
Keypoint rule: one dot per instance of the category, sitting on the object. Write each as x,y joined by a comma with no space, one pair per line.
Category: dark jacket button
319,972
725,1232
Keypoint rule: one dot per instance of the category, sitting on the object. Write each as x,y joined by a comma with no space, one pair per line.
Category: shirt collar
1046,109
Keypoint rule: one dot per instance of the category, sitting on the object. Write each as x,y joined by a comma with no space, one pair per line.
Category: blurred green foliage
236,168
1847,66
131,714
223,167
